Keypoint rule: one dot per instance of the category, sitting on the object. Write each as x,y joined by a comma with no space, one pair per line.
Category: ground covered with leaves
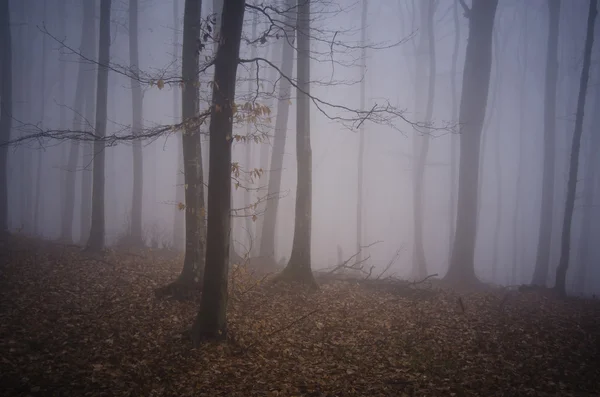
78,325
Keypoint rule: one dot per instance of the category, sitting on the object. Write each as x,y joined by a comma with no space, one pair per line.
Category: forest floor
75,325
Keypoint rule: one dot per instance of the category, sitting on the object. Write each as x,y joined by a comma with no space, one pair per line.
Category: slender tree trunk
454,139
476,79
178,219
6,107
299,265
90,120
38,202
561,271
250,231
267,241
542,263
137,126
211,320
80,87
361,136
520,161
426,50
62,12
193,265
592,165
96,238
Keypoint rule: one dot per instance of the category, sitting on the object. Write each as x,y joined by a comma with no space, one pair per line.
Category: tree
563,265
590,176
136,128
453,138
85,217
80,94
299,265
6,106
193,264
542,262
475,88
96,238
267,240
211,321
361,138
178,218
425,52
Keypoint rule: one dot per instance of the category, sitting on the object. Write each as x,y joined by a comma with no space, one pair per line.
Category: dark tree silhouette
6,106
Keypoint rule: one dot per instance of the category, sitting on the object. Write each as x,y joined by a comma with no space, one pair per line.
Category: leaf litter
76,325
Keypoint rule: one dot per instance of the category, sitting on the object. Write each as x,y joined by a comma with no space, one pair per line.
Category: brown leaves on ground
74,325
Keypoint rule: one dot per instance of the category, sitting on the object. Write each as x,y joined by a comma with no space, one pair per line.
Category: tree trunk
211,321
476,79
90,116
361,138
136,127
38,208
248,212
80,87
540,274
561,271
193,264
96,238
267,241
299,265
520,161
6,107
454,139
426,50
178,218
592,164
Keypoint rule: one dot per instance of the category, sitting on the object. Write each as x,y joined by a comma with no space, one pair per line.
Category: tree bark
454,139
38,208
475,88
426,51
96,238
561,271
90,116
6,107
178,217
136,128
210,323
80,87
361,136
299,266
591,164
193,265
542,263
267,241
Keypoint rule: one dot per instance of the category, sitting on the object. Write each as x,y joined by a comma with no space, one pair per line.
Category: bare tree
476,80
361,138
454,140
542,263
136,128
211,321
561,271
425,52
267,241
80,94
6,107
38,208
96,238
299,265
178,218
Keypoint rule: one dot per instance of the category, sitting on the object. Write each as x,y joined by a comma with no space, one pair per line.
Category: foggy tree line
242,69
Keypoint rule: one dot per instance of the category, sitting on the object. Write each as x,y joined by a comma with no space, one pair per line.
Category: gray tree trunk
476,79
6,107
96,238
38,208
136,127
454,139
563,265
361,137
178,218
540,274
267,241
211,320
299,265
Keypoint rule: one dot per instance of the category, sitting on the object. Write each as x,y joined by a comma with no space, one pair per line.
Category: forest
299,198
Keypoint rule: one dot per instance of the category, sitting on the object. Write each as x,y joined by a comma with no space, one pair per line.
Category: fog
46,39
